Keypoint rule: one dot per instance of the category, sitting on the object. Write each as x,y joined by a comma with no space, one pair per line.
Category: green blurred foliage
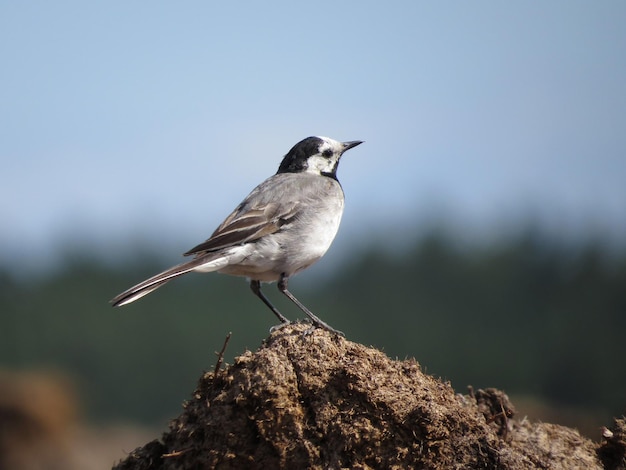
531,316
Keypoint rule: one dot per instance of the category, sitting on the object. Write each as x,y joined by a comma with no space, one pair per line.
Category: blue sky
130,121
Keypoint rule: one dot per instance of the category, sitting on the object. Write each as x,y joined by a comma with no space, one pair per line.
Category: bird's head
317,155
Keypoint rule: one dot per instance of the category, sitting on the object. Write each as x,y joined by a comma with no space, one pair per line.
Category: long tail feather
135,293
156,281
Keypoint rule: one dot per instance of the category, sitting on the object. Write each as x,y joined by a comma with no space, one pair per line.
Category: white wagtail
284,226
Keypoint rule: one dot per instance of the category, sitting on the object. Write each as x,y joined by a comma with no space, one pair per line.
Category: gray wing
250,221
271,205
263,212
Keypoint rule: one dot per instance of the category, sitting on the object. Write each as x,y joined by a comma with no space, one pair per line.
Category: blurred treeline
533,316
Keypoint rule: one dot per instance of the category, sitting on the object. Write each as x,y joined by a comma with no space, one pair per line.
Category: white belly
295,247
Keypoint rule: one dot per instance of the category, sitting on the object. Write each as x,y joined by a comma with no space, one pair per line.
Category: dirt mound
319,401
37,413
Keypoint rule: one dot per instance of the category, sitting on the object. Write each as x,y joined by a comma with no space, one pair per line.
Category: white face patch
319,164
325,161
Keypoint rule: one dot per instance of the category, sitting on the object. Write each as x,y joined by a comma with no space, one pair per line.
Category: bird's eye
327,153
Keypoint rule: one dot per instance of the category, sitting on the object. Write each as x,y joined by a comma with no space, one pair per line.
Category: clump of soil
310,399
37,413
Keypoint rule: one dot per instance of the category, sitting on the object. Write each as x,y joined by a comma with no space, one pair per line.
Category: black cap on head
296,159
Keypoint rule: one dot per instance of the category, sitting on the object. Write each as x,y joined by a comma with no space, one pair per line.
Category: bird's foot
317,323
280,326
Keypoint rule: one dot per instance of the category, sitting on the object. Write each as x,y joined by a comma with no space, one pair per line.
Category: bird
282,227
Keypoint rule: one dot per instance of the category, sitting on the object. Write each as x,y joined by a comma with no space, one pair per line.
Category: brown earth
41,426
310,399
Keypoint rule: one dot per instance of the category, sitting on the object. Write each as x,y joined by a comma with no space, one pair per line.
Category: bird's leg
282,286
256,288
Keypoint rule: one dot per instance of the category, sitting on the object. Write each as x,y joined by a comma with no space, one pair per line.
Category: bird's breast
300,242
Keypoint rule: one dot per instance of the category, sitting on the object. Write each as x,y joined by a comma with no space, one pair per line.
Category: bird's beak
349,145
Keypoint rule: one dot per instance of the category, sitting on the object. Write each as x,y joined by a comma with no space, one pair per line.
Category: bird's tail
205,263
